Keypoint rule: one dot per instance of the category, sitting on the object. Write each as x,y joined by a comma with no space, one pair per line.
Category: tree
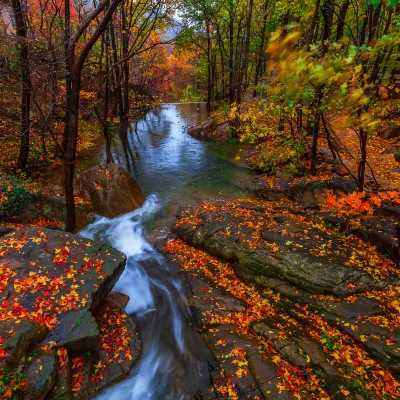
23,54
75,64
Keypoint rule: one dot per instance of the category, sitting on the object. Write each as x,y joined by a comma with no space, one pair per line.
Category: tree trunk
314,22
342,20
70,155
68,90
231,33
260,53
245,58
22,33
125,121
327,15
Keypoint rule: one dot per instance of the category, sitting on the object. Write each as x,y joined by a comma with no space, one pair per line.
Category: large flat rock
269,243
51,284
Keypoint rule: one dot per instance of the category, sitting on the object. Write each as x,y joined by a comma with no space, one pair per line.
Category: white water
168,365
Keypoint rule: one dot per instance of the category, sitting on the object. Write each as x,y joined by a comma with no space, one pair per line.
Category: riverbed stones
111,190
53,286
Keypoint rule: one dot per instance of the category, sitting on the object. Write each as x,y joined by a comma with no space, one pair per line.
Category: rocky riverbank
289,305
62,333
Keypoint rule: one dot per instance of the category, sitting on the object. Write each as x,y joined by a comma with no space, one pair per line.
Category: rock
343,168
391,132
296,265
58,190
116,300
318,358
52,208
205,131
390,150
113,372
223,132
61,389
40,372
343,185
54,282
4,230
291,189
111,190
18,338
81,370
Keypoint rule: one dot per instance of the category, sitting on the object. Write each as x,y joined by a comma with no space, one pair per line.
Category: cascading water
166,160
171,363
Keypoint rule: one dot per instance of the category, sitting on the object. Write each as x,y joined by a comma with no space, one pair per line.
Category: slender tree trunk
342,20
231,66
245,58
125,121
210,80
327,14
314,23
118,89
260,53
70,155
22,33
68,89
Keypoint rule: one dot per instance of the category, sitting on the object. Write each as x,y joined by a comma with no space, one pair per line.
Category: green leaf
375,3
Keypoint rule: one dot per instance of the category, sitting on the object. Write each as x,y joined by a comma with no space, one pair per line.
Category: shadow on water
172,168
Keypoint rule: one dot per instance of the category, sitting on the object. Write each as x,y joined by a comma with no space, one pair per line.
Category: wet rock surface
210,130
54,293
111,190
287,304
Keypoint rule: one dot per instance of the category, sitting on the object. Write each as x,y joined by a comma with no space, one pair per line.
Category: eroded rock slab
267,243
52,283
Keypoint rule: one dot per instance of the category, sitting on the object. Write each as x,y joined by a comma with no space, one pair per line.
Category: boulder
111,190
117,300
4,230
52,208
390,150
223,132
53,287
391,132
205,131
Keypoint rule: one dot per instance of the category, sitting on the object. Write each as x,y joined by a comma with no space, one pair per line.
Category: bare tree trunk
76,63
342,20
22,33
260,53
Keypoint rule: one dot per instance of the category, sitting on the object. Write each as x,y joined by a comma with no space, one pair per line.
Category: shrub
14,196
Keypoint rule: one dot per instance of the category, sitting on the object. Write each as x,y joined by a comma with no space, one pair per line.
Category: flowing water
173,169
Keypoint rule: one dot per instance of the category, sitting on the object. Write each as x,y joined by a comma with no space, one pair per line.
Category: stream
172,169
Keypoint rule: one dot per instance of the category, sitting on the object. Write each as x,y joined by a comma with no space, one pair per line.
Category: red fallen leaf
47,249
47,294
